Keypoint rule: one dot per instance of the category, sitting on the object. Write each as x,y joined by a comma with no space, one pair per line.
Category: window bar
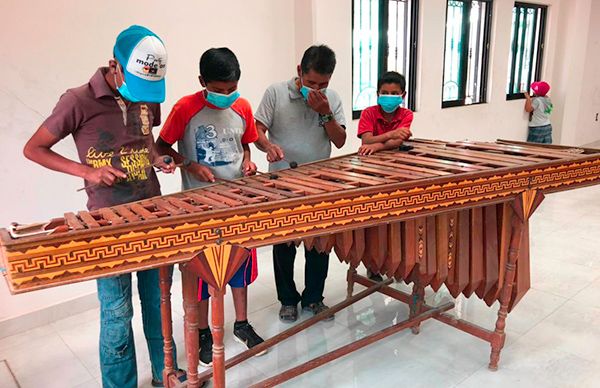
513,66
412,68
522,50
541,42
464,60
533,36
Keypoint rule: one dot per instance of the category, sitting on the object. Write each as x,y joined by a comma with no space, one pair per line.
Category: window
468,26
384,38
525,62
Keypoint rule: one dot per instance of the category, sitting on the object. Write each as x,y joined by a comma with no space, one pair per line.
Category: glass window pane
453,50
366,53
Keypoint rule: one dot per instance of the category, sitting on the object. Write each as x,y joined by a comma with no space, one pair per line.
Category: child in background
540,107
386,125
214,128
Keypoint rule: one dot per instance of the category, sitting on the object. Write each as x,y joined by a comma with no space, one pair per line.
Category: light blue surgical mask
305,90
222,101
123,89
389,102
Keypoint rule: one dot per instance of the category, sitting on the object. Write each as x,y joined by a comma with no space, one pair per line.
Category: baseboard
47,315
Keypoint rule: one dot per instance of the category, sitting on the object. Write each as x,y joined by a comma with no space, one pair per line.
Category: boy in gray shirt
301,118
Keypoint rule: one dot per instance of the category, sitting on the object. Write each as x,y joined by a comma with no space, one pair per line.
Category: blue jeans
542,134
117,349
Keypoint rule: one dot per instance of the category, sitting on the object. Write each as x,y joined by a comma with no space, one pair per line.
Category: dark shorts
541,134
242,278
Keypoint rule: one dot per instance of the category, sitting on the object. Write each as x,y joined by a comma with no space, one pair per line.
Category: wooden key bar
127,214
73,221
204,200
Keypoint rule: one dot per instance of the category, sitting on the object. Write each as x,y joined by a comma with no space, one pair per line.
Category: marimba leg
499,335
165,276
416,302
189,283
217,314
350,280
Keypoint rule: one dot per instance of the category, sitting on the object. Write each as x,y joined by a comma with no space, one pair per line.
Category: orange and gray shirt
210,136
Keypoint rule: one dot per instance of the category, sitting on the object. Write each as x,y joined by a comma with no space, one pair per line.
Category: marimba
437,213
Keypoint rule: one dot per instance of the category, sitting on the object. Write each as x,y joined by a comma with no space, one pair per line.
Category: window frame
487,37
411,77
540,48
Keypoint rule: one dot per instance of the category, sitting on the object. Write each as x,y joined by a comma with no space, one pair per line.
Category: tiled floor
553,335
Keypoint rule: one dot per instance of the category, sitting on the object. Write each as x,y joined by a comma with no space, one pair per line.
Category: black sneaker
376,277
206,343
317,308
244,333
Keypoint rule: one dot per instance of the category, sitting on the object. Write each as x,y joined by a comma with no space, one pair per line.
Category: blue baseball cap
143,57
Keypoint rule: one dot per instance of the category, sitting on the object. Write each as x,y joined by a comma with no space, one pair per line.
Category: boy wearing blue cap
111,119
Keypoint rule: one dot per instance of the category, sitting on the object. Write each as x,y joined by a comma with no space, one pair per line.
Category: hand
274,153
248,167
167,168
105,175
400,134
526,94
201,172
318,102
369,149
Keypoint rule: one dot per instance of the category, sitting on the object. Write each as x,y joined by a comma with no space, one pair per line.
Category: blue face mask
389,102
124,90
222,101
305,91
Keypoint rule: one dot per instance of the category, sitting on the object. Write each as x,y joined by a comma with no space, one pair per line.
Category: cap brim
145,91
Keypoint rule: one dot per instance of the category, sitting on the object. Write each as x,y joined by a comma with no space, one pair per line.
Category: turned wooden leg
416,303
166,323
513,253
218,318
350,279
189,283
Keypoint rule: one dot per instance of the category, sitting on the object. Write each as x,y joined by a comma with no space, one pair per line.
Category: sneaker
374,276
288,314
206,343
317,308
244,333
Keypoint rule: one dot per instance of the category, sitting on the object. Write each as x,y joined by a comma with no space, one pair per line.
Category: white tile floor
553,335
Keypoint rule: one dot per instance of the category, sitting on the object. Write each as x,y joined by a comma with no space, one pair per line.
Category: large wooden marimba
453,214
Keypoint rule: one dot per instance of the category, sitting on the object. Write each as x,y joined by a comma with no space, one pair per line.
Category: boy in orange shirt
214,128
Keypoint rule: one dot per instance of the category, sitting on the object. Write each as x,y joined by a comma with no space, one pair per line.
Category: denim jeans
541,134
117,349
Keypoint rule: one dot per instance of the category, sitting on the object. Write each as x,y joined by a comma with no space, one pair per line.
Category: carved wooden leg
513,253
218,313
167,323
350,279
416,303
189,283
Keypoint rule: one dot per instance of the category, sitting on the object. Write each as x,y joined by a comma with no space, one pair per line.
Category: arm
202,173
397,134
248,166
317,100
369,149
274,152
528,103
39,150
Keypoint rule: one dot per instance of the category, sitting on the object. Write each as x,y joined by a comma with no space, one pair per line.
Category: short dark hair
219,64
392,77
318,58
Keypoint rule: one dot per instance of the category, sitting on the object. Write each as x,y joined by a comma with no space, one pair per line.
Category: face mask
389,102
305,90
222,101
123,89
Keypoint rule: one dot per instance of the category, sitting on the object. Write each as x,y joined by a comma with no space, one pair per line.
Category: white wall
50,46
588,124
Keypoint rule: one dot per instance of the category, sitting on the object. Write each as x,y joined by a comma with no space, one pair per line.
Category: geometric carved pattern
36,266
